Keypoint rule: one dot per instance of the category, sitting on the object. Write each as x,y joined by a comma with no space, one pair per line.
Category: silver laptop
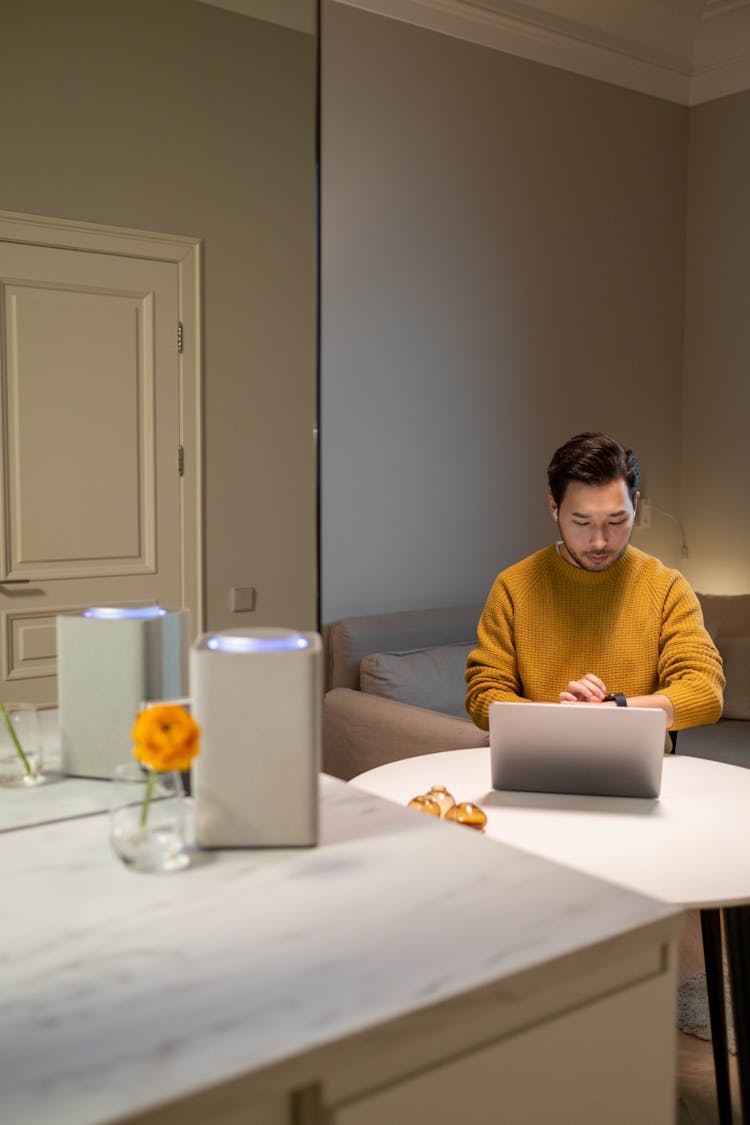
577,748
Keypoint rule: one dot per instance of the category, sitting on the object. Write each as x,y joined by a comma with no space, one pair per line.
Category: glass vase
21,770
147,818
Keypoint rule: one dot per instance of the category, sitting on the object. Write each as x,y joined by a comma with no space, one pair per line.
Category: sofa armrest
361,731
726,741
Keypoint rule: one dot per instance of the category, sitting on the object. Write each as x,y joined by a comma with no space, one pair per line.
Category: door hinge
179,336
181,460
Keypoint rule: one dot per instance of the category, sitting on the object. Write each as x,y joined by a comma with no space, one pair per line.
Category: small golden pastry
468,814
425,804
445,799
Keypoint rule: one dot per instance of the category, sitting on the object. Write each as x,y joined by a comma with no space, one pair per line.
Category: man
592,619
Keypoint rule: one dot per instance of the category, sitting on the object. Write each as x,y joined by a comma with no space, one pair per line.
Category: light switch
242,599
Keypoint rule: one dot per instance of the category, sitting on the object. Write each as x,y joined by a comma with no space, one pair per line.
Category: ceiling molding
685,51
719,7
298,15
721,54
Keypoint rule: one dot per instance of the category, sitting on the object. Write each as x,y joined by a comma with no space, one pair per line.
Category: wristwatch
616,697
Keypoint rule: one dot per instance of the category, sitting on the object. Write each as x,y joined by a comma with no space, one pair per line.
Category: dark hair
592,459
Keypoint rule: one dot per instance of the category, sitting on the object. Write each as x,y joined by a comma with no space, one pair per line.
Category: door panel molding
31,646
43,548
37,319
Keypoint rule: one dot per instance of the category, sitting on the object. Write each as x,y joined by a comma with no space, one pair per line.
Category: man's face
595,522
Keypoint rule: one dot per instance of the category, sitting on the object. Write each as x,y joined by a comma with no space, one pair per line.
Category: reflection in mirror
57,797
194,118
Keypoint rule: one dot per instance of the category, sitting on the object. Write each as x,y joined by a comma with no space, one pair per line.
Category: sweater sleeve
492,667
690,670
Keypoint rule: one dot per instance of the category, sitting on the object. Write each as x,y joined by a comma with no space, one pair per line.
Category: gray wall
176,117
717,348
503,266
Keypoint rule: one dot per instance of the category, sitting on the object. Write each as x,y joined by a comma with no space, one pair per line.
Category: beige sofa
396,687
727,618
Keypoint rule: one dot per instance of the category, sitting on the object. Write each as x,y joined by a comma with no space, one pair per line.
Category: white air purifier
257,696
110,662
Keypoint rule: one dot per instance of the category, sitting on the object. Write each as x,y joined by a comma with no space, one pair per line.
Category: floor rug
692,1009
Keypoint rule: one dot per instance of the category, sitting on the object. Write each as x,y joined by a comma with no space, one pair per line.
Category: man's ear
636,498
552,506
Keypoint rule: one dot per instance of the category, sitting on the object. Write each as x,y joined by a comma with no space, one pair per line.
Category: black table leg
737,935
712,957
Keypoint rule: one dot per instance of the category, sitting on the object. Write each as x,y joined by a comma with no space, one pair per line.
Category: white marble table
691,847
400,956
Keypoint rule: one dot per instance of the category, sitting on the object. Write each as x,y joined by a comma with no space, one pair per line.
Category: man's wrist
616,697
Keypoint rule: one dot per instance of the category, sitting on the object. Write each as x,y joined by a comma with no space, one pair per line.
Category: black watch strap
616,697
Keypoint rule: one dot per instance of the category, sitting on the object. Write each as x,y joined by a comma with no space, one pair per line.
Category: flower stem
150,779
14,738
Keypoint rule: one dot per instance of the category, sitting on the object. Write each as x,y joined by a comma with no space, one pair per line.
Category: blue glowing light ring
124,613
228,642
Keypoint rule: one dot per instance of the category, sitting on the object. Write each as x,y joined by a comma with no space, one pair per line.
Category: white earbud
555,513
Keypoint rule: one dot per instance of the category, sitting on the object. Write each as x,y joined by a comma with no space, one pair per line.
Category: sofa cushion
425,677
726,741
726,615
348,641
735,653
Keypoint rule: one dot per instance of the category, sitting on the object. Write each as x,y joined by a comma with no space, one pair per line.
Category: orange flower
166,737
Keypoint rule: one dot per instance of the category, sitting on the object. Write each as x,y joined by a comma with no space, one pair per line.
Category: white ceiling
687,51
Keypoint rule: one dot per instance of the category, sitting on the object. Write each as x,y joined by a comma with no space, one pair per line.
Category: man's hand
589,689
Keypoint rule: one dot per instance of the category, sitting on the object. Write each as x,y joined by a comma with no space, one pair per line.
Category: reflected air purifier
110,662
257,695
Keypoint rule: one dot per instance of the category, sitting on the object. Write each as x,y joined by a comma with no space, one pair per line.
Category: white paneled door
92,442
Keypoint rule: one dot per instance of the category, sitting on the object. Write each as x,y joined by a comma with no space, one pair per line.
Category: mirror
198,118
56,797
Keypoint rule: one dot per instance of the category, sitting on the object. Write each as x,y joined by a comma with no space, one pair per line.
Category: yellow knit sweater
637,625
